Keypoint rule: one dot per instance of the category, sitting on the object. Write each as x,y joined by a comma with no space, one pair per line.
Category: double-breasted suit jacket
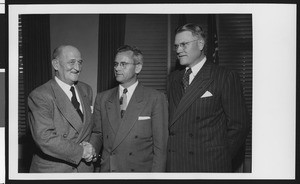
57,129
208,123
138,141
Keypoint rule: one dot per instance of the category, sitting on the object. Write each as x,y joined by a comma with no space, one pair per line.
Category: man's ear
55,64
138,68
200,44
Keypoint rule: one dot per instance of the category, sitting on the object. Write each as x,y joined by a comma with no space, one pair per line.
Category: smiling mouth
180,56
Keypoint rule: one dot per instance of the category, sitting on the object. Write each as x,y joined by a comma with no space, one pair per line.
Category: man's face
126,75
189,53
68,64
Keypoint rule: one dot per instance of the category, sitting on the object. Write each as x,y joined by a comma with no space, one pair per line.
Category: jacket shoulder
42,89
222,71
149,91
175,73
106,93
84,85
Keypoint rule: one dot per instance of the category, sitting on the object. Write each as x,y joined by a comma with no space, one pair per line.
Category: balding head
67,63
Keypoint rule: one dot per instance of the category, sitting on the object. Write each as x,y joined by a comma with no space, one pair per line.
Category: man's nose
118,67
77,66
179,49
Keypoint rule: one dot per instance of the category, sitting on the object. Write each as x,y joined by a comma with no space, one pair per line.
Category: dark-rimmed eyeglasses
182,44
122,64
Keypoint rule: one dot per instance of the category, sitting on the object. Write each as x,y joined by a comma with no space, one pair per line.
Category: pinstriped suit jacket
205,130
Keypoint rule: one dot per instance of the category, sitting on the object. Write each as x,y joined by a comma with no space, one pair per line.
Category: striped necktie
75,103
186,78
123,102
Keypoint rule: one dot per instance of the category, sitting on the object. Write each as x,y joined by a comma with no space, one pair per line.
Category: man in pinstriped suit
208,116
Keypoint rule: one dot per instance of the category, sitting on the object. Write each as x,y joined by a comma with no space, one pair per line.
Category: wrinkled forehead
70,53
124,56
184,36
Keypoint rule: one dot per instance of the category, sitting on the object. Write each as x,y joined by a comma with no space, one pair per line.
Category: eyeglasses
122,64
73,61
183,44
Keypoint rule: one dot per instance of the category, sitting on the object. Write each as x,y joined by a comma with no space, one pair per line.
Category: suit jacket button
130,153
132,170
136,136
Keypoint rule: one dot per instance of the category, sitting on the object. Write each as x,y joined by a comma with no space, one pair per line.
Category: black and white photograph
149,33
3,100
148,91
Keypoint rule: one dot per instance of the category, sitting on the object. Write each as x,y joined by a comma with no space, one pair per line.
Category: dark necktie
123,102
75,103
186,78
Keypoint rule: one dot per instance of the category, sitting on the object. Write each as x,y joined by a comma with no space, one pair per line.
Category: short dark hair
137,53
195,29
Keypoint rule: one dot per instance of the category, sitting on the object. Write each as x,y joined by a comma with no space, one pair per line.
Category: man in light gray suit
60,117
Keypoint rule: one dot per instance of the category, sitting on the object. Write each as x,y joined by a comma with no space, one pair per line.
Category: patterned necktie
75,103
186,78
123,102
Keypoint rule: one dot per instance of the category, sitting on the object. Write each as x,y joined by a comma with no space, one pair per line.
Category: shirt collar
195,69
64,86
130,88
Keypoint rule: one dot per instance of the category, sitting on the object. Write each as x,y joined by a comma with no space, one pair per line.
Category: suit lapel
84,101
197,87
178,88
133,111
66,107
112,106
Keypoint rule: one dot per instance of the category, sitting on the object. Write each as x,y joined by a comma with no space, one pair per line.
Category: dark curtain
111,37
36,63
36,51
181,21
212,39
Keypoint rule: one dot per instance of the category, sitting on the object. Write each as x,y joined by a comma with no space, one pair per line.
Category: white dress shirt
66,88
130,91
195,69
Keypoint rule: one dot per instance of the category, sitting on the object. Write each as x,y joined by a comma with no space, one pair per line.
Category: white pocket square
206,94
144,117
92,109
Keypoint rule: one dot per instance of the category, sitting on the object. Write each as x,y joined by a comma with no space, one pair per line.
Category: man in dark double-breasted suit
132,119
60,118
208,117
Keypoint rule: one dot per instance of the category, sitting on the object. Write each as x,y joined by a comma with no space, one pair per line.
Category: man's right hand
89,153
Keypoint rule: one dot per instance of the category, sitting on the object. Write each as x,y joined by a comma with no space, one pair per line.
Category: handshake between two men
89,153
